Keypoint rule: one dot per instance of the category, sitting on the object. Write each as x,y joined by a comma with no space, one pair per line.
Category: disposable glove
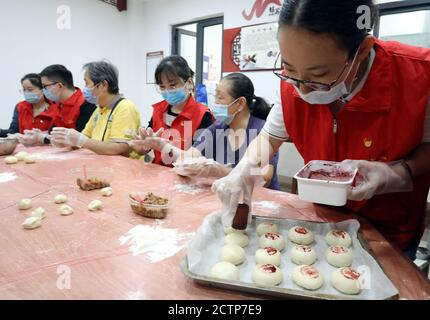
375,178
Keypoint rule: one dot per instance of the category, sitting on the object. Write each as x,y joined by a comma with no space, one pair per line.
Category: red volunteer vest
383,122
70,110
43,121
183,127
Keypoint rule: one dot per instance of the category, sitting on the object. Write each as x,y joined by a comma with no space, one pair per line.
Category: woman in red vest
346,95
178,116
35,112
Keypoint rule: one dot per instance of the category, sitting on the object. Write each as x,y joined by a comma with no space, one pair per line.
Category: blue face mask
88,94
50,96
174,97
31,97
220,112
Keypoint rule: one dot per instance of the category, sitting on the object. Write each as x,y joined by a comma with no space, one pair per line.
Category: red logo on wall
259,8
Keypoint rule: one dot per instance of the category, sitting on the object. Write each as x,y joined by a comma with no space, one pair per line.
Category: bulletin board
153,59
251,48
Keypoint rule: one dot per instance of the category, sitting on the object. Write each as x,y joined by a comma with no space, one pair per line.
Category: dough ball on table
60,198
301,235
95,205
21,155
237,238
228,230
266,227
267,275
39,213
307,277
66,210
346,280
106,192
268,256
338,238
30,159
225,271
303,255
272,240
339,256
232,253
10,160
24,204
32,223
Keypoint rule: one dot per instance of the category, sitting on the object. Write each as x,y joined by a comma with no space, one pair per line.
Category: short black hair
34,78
103,71
241,86
58,72
175,66
337,17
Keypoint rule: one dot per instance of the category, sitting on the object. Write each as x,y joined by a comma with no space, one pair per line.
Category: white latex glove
200,167
68,137
56,144
147,140
376,178
238,184
16,136
32,137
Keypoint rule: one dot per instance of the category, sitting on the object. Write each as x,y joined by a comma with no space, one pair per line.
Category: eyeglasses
22,91
313,85
171,88
50,85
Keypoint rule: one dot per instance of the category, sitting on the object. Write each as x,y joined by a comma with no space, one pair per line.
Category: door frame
180,32
399,7
201,25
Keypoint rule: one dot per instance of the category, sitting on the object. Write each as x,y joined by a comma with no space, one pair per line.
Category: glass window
412,28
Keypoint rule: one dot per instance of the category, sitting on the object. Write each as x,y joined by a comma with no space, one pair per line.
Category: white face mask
327,97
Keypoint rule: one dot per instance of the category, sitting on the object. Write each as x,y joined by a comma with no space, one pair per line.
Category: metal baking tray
277,292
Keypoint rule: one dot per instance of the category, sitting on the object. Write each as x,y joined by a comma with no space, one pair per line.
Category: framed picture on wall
153,59
251,48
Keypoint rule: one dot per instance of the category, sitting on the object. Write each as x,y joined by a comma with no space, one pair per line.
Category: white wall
31,41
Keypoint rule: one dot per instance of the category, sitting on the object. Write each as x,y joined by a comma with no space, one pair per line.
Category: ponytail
260,108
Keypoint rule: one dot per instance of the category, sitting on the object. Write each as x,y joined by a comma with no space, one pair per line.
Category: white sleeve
275,125
426,137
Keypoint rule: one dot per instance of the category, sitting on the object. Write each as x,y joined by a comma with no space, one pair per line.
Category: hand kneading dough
346,280
32,223
10,160
60,198
272,240
237,238
266,227
24,204
267,275
301,235
338,238
232,253
225,271
303,255
268,256
228,230
30,159
95,205
339,256
307,277
21,155
39,213
106,192
66,210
